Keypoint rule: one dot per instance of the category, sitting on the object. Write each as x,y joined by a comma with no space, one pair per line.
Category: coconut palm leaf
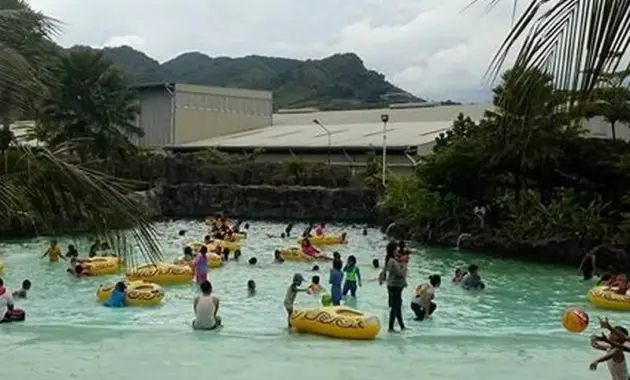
61,194
574,40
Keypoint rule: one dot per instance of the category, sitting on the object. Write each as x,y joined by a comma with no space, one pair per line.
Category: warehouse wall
205,112
155,117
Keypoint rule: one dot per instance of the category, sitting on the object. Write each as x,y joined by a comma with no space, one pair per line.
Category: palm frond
60,193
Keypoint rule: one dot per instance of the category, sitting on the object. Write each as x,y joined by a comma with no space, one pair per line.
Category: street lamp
328,134
384,119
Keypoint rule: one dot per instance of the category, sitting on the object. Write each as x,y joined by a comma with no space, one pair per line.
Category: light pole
384,119
316,122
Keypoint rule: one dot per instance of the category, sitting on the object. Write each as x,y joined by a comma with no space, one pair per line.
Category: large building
173,113
345,137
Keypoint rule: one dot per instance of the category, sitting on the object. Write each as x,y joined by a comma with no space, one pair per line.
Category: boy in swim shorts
292,291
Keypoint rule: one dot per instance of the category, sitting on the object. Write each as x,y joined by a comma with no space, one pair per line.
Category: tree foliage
528,162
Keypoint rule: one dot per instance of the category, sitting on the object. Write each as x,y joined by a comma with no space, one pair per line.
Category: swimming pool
511,330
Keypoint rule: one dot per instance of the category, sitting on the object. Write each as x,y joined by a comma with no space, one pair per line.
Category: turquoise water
511,330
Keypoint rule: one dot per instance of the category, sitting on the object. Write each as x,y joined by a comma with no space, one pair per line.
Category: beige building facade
173,113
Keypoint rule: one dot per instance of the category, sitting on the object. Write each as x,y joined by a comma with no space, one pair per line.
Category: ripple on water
515,320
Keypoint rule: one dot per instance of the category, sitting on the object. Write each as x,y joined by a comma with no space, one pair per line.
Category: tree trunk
613,130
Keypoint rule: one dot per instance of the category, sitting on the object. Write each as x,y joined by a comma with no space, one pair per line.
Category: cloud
428,47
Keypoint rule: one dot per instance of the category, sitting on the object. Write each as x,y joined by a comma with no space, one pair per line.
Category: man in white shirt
206,307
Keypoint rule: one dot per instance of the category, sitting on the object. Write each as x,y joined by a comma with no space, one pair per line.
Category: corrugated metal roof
311,135
406,115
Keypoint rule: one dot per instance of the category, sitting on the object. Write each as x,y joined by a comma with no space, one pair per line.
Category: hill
340,81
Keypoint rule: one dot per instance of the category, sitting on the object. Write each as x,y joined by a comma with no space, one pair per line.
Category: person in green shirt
352,277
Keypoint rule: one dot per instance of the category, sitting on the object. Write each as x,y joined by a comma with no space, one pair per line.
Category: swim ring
102,266
296,254
326,239
232,246
336,322
162,273
214,261
604,298
195,245
138,293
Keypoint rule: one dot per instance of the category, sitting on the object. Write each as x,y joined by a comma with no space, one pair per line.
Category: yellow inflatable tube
101,265
138,293
604,298
336,322
195,245
214,261
296,254
327,239
232,246
162,273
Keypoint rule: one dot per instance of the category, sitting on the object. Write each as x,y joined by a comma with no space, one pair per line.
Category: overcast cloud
428,47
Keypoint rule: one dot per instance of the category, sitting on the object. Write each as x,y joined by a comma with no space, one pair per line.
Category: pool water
509,331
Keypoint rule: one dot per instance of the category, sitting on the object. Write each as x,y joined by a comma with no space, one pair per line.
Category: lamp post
328,134
384,119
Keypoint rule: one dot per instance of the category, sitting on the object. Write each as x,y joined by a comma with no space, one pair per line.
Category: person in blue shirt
117,298
472,279
335,280
353,277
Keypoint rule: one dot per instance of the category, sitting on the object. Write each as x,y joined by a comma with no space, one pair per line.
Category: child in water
319,230
458,276
22,292
314,287
308,248
352,275
53,252
117,298
335,280
251,288
422,304
72,252
620,284
292,291
614,346
200,265
277,258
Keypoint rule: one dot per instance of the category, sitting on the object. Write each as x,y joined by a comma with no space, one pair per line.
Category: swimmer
309,249
292,291
8,313
251,288
53,252
336,256
314,287
319,230
458,276
225,253
79,271
315,268
620,284
237,253
207,239
335,280
206,307
22,292
375,264
72,251
94,248
422,304
117,298
365,232
353,277
614,346
472,279
277,257
252,261
287,230
182,232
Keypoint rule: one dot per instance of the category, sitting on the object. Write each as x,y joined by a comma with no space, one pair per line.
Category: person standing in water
53,252
352,277
394,274
614,346
335,279
200,265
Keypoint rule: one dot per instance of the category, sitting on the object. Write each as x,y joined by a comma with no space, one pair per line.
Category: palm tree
611,101
574,40
42,183
91,99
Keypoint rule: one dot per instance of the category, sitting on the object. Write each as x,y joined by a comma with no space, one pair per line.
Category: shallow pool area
510,331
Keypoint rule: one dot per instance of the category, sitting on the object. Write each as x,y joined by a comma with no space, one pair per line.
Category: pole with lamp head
384,119
328,134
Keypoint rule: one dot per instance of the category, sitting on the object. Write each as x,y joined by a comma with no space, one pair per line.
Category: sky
435,49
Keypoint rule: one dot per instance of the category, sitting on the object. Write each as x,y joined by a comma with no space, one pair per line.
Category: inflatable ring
138,293
195,245
214,261
336,322
604,298
162,273
101,265
327,239
296,254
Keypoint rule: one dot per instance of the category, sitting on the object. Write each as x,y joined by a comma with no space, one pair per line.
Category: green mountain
340,81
